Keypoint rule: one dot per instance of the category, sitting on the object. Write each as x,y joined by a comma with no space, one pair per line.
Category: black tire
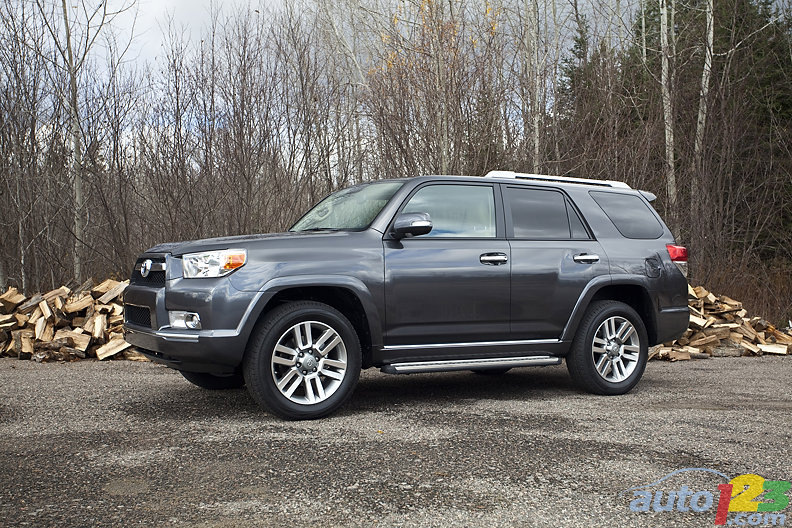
623,363
212,382
492,371
335,369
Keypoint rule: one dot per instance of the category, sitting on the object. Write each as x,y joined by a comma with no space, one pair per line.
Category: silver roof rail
560,179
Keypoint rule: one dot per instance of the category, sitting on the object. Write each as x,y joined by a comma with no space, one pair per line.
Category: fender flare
591,289
278,284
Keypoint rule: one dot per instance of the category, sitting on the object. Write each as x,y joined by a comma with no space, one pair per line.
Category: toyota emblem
145,268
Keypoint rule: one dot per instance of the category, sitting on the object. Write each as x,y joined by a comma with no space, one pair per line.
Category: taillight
679,256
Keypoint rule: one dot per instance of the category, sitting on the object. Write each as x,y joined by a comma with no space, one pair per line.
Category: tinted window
538,214
579,231
630,214
456,210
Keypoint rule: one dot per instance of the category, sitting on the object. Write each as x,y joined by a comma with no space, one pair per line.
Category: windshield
351,209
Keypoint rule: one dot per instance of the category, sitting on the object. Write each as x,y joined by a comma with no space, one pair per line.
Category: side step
470,364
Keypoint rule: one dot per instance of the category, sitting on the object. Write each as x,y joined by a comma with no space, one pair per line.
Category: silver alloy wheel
309,362
616,349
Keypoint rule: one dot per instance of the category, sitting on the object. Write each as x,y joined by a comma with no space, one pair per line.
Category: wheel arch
347,295
631,292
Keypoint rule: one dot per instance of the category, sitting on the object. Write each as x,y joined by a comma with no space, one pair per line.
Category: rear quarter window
630,214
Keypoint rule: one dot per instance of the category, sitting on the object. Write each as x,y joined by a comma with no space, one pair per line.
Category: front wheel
303,361
610,350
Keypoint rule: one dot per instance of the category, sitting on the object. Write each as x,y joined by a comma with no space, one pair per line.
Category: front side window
351,209
466,211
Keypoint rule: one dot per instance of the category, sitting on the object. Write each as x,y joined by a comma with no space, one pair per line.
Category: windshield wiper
319,229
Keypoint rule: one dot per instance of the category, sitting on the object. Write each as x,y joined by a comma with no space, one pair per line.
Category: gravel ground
133,444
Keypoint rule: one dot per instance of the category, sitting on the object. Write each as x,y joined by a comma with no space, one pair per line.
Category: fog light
186,320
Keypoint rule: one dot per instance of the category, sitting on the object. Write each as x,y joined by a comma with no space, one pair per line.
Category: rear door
451,285
553,257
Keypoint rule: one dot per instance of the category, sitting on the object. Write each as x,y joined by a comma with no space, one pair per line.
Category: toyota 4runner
426,274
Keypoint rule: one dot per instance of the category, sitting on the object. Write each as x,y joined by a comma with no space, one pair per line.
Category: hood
239,241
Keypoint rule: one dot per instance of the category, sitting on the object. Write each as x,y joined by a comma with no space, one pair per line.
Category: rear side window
538,214
630,214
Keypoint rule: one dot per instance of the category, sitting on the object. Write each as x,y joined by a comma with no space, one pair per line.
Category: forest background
103,154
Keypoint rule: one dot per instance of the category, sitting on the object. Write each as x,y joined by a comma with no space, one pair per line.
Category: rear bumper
215,352
672,323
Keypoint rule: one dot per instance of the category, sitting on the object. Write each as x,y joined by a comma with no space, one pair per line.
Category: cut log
63,291
133,355
696,321
720,333
49,332
113,293
707,340
99,324
700,292
31,304
84,287
81,341
112,348
41,325
73,352
774,349
55,344
11,299
81,303
46,313
747,345
103,288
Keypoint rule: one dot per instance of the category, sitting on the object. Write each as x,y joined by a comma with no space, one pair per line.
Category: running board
470,364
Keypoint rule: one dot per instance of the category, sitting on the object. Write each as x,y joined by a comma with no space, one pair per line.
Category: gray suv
425,274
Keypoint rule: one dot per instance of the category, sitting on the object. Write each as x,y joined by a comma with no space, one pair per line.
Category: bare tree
74,45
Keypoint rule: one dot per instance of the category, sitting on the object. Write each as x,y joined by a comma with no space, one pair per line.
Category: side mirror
411,224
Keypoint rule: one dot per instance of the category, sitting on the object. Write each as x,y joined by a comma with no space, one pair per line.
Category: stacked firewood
65,324
719,325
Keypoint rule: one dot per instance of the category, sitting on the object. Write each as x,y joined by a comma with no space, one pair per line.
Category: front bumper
227,317
212,351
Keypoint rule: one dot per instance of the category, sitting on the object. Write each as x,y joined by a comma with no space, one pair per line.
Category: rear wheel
212,382
304,360
610,350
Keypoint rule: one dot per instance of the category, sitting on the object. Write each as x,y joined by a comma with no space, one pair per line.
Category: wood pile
66,325
720,325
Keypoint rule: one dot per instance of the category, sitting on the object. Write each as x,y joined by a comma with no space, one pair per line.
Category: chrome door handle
493,259
586,259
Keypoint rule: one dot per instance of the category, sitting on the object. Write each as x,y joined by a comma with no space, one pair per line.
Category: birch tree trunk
78,218
668,109
532,57
701,122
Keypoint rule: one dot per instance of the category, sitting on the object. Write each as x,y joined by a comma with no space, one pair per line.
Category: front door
451,285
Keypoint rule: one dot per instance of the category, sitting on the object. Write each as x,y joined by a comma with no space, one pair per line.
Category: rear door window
542,214
630,214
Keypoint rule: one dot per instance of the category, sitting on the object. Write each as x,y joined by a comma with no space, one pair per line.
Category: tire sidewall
260,359
584,347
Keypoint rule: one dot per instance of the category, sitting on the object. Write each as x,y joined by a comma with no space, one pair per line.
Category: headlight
212,263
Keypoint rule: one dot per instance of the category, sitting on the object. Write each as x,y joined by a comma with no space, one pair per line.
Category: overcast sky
152,20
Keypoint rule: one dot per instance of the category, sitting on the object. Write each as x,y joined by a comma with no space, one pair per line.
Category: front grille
155,279
137,315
